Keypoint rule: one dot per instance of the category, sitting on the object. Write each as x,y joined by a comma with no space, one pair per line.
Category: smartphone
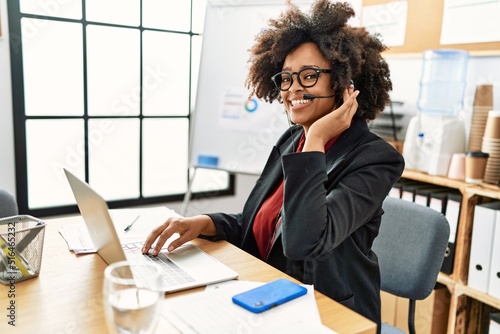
269,295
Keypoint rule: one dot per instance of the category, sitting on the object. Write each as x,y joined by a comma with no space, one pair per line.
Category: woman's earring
280,100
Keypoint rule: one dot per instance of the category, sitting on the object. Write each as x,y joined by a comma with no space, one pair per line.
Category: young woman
316,208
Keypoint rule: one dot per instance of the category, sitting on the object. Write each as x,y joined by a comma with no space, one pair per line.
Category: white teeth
297,102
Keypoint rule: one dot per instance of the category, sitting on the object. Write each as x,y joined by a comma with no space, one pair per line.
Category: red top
268,217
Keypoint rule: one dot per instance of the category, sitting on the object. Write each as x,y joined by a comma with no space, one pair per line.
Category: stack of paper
212,311
131,225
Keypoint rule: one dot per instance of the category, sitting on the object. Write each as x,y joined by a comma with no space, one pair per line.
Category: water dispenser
437,131
444,74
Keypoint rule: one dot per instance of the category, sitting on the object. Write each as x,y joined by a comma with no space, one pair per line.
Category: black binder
397,188
437,200
423,194
453,209
408,190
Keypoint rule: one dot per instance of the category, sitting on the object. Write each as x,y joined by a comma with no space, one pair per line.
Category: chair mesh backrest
8,204
410,247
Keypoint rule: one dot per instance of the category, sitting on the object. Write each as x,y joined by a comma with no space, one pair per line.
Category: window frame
20,118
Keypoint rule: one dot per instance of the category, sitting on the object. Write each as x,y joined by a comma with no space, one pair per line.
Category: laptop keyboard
173,275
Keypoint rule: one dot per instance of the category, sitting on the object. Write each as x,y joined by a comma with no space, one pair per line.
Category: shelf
485,298
486,190
461,289
461,317
446,281
435,179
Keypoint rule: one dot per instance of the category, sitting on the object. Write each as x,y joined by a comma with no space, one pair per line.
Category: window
105,89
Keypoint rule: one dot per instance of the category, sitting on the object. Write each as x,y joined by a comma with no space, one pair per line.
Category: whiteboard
229,131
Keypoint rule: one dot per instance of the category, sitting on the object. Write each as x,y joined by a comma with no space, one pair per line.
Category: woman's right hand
188,229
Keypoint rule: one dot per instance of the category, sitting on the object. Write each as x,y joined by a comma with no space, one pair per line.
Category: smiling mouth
299,102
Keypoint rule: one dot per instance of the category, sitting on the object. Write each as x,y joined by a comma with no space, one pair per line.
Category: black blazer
330,216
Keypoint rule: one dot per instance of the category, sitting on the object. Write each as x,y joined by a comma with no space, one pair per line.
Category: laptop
184,268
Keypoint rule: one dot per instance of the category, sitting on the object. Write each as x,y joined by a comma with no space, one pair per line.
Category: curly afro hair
353,53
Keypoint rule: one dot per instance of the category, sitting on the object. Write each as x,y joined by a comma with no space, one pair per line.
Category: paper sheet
388,20
78,238
149,218
212,311
470,21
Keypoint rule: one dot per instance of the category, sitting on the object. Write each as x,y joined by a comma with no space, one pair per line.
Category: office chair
410,247
8,204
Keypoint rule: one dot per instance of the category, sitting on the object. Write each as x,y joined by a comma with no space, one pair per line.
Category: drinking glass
131,296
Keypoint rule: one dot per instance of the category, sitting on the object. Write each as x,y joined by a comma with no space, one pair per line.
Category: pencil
12,255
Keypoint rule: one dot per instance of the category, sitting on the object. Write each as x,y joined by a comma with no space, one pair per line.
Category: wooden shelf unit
465,302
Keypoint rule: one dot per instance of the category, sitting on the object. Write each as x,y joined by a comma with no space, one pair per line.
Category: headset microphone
312,97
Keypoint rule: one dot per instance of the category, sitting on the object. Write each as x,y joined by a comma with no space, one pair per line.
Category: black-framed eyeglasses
307,77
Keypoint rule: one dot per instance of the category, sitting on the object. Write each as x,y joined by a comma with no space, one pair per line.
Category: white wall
7,167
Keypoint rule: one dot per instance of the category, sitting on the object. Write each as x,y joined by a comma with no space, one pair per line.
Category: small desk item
21,247
212,311
11,265
129,226
269,295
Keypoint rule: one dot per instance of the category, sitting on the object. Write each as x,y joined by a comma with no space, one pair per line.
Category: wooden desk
67,295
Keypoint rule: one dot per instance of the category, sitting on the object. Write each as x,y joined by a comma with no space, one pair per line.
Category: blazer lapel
273,174
337,153
273,169
344,144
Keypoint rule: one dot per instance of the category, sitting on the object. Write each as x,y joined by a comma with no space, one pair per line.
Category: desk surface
67,295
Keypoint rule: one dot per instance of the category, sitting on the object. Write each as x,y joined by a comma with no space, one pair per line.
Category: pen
129,226
11,255
29,237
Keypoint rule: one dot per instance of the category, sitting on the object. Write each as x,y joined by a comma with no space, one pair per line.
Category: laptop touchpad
193,260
